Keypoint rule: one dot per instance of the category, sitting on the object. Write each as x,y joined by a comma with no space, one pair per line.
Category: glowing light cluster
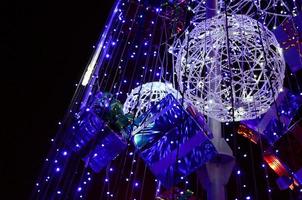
243,69
144,96
270,12
275,164
247,133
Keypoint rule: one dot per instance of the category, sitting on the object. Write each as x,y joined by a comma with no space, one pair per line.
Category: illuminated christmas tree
185,99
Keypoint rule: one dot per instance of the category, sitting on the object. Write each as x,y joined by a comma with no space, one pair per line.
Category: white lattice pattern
210,83
271,12
144,96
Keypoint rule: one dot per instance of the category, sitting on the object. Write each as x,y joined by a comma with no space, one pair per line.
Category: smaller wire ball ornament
249,84
144,96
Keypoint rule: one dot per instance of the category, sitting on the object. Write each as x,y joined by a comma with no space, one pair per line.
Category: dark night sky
53,41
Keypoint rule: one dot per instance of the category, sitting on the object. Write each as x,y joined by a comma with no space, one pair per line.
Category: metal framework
270,12
144,96
204,74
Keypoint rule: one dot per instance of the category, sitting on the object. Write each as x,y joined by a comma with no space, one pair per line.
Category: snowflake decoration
143,97
207,80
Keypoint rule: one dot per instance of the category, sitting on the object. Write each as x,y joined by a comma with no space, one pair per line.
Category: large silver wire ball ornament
144,96
249,84
271,13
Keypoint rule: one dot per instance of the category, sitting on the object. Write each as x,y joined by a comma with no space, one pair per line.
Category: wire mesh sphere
270,12
144,96
251,81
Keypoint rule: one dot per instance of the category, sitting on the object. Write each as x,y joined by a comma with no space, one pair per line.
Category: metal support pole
216,173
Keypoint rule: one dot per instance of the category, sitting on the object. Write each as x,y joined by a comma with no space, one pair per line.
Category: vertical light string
58,148
238,179
270,82
251,153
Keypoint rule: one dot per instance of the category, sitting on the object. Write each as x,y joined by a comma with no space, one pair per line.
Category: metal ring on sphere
205,77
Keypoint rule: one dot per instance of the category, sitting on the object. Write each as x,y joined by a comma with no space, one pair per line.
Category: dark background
46,54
